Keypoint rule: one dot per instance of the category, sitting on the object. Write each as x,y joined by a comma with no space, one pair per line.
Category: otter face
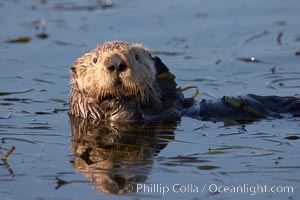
116,69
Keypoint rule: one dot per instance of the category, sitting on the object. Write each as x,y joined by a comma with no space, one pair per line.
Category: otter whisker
142,92
154,90
139,89
132,89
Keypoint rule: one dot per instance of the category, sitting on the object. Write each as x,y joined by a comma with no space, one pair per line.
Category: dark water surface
223,47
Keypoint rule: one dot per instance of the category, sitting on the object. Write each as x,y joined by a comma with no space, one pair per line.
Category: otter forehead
119,46
122,48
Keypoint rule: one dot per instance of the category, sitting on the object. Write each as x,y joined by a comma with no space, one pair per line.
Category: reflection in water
112,155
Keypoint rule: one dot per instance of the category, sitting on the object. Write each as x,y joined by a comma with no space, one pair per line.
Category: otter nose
118,67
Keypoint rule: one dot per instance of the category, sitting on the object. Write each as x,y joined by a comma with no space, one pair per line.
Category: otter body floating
122,82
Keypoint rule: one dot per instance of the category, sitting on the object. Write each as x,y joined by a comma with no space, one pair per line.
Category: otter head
115,71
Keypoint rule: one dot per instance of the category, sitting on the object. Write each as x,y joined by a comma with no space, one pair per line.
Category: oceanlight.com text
249,189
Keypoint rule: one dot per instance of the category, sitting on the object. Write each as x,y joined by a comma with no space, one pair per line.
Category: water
209,43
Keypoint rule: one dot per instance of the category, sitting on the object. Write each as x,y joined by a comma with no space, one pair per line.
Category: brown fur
98,93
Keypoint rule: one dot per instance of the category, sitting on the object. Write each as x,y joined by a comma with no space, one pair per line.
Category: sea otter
119,81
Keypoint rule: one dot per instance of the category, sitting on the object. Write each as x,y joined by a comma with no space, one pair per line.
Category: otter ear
73,69
160,66
73,72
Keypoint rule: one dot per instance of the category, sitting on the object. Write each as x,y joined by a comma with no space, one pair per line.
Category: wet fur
95,94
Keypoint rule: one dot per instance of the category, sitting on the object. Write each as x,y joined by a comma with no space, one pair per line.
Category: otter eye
95,60
137,57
